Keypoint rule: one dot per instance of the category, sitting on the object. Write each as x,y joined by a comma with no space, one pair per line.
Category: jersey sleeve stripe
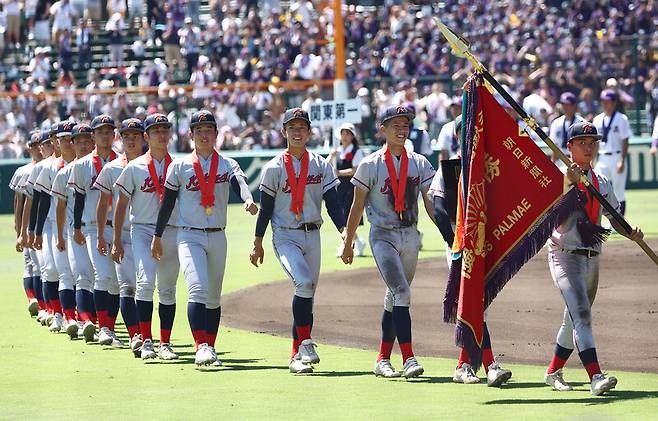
125,191
268,188
365,186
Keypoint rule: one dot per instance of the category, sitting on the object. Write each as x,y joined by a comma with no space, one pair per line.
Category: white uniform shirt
105,183
45,180
620,129
559,131
82,181
61,190
31,179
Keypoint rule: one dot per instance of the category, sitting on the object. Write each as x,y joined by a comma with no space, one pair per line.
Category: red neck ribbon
593,206
154,174
398,186
206,184
297,184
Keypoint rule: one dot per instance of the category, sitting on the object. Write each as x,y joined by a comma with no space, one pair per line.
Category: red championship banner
509,210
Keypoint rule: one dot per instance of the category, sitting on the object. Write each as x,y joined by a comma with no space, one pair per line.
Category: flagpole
460,49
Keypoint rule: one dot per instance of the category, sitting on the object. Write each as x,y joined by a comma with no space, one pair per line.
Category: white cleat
412,368
89,331
556,381
33,307
297,366
602,384
217,362
105,336
81,327
307,352
204,355
465,374
383,368
57,323
41,314
166,353
136,344
116,342
497,375
71,327
47,321
148,352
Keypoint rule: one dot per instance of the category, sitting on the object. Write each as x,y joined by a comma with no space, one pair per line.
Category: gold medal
400,215
298,216
209,210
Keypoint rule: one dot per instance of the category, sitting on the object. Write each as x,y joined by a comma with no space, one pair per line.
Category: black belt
108,223
609,153
582,252
206,229
308,227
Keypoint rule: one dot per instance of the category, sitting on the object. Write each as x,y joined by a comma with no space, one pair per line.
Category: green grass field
47,376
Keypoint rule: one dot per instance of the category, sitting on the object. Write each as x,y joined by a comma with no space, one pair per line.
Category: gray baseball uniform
82,179
298,250
202,254
610,151
577,276
21,186
46,266
394,240
29,269
136,184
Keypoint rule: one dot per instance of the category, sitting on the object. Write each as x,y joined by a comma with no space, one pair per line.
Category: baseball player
447,142
201,181
560,126
292,187
419,138
34,295
132,137
389,182
615,130
59,277
50,152
141,185
78,258
575,266
82,179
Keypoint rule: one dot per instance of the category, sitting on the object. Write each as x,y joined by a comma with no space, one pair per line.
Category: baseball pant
577,277
396,255
28,269
126,273
48,269
106,275
298,251
606,165
149,270
203,260
36,264
61,259
79,262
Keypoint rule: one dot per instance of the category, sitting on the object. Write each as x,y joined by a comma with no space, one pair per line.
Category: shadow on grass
531,385
231,367
611,397
340,373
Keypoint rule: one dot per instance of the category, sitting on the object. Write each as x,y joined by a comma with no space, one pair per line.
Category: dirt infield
523,320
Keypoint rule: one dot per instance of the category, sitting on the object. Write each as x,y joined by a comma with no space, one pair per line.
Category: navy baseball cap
568,98
65,128
399,111
102,120
583,129
202,117
156,119
53,129
296,114
45,136
35,138
81,130
608,95
131,124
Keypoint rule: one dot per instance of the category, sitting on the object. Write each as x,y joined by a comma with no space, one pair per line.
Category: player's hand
636,234
573,173
620,166
19,244
348,253
101,246
30,239
117,251
156,248
251,207
22,242
257,255
79,237
61,244
652,151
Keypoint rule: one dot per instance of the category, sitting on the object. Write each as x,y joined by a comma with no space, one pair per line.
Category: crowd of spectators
395,55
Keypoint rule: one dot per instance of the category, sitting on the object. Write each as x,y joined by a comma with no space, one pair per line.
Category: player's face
608,106
83,145
297,133
455,110
103,137
133,141
583,150
158,137
35,152
47,149
396,130
66,145
55,143
569,109
204,137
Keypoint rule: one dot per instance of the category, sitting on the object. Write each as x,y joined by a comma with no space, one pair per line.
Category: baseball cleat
33,307
602,384
497,375
166,353
136,344
204,355
307,352
71,327
297,366
104,336
47,321
465,375
116,342
383,368
147,351
217,362
556,381
81,327
412,368
41,314
57,323
89,331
